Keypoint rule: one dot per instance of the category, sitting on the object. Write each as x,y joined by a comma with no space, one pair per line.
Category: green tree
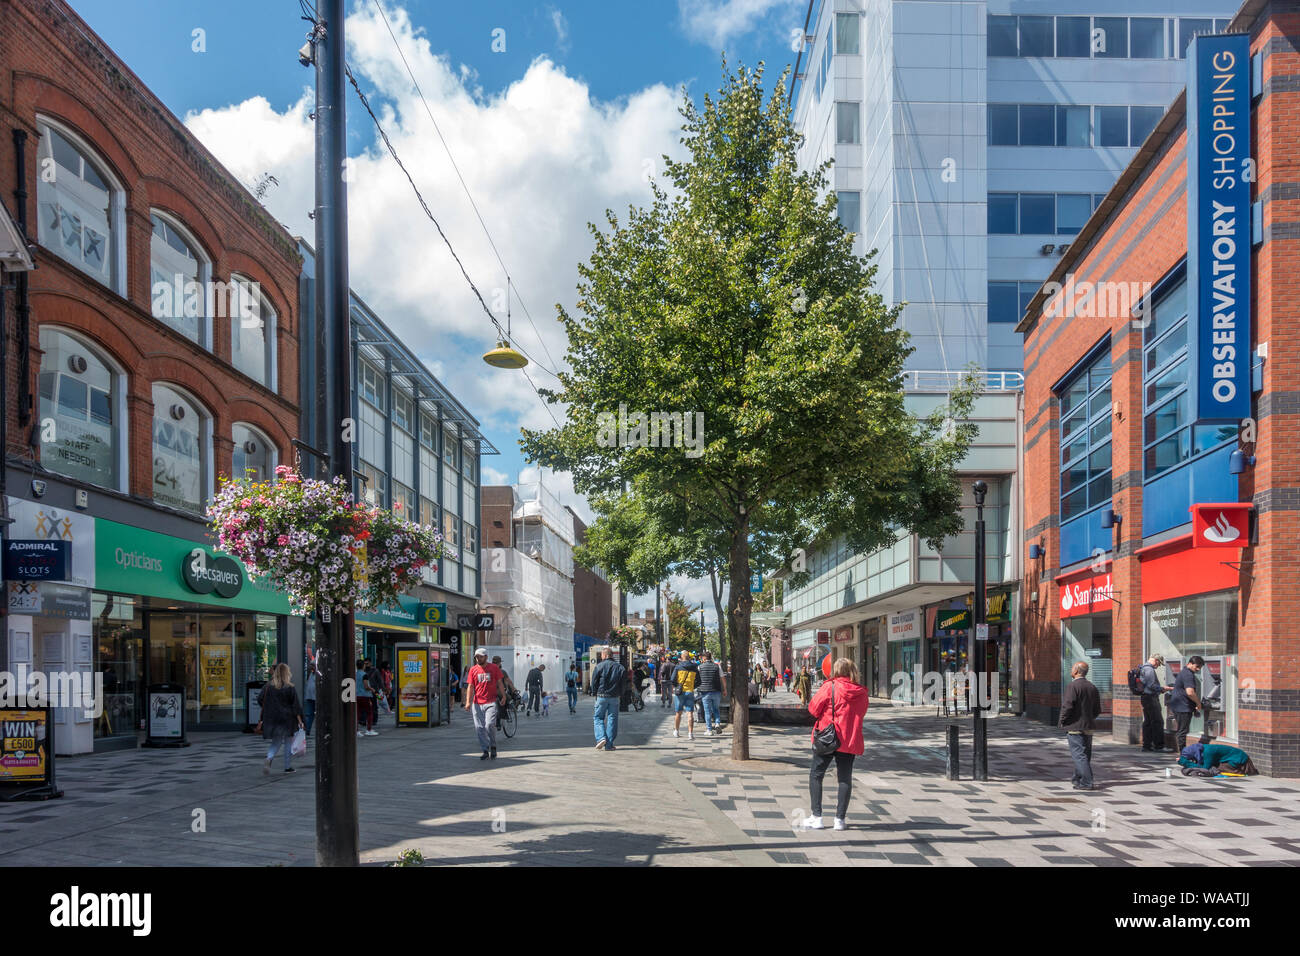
736,301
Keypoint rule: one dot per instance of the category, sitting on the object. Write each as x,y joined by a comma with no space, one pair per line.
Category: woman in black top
281,714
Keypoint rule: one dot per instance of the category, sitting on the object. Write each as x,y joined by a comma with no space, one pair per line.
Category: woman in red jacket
843,702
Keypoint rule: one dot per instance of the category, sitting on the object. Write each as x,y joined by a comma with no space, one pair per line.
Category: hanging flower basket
310,540
623,635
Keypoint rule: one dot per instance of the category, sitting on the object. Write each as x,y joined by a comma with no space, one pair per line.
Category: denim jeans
278,741
605,721
712,706
1081,752
572,693
309,713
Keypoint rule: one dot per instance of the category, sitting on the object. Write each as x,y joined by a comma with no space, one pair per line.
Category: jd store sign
205,572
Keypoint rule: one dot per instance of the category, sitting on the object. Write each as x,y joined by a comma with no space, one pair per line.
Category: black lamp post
980,754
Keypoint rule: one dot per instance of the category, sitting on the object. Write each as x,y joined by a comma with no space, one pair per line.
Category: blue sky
569,120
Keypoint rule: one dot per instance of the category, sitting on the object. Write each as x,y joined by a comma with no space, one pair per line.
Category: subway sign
1218,224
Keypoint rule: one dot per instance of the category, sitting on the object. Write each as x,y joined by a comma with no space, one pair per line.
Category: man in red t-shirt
484,684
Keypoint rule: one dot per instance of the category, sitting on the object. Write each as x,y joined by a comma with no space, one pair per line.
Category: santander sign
1086,595
1221,525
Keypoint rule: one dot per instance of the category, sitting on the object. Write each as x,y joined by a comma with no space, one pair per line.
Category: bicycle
508,715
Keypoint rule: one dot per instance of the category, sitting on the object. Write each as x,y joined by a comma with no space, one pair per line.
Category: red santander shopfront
1087,632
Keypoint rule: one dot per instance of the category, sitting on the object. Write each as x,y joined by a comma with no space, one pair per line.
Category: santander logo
1067,598
1222,531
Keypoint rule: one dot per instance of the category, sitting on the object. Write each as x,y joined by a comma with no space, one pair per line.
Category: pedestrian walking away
666,683
1153,720
375,682
1185,700
533,684
607,684
281,716
1080,708
841,704
571,681
685,676
712,685
485,687
365,702
803,686
309,697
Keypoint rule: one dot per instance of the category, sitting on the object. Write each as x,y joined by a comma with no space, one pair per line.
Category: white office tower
973,138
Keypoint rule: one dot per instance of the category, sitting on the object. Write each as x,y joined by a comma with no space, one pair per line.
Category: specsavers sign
134,561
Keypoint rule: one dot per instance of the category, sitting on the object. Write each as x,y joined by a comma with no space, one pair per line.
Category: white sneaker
372,733
361,733
676,732
813,823
839,823
690,735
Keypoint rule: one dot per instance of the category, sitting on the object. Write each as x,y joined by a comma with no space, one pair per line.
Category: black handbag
827,740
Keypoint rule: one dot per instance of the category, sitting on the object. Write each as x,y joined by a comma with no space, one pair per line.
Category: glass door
173,656
119,658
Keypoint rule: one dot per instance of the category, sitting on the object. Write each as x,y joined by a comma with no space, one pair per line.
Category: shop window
252,332
254,455
177,273
80,411
80,214
1085,438
181,432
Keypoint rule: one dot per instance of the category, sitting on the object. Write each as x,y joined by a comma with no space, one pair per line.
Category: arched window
182,444
178,273
80,209
81,411
252,332
254,455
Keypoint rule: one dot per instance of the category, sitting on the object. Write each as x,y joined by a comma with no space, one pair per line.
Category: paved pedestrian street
551,799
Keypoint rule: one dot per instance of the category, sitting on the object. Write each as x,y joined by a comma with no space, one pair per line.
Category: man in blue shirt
1185,700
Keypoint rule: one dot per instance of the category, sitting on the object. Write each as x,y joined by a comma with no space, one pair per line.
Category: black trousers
1183,722
1153,723
534,699
843,771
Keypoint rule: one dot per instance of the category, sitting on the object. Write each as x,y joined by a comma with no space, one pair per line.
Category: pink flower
282,540
246,503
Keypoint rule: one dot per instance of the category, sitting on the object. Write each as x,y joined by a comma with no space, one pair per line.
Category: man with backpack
1144,682
533,684
685,676
571,681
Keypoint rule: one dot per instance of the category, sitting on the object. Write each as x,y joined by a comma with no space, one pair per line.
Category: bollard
954,759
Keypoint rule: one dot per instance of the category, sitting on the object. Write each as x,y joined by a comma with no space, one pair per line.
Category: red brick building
135,376
1119,451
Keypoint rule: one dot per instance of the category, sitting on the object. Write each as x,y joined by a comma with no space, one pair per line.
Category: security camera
38,488
307,54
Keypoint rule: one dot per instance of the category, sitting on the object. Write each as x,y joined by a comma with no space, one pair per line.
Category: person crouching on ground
281,715
840,702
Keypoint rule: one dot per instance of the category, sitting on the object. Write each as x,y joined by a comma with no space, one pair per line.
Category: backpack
1135,681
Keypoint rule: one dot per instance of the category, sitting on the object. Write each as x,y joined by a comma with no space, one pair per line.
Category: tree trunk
716,587
740,602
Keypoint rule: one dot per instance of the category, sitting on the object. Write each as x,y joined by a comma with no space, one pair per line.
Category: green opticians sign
134,561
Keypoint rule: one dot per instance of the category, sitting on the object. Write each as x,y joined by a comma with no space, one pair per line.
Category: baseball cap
482,651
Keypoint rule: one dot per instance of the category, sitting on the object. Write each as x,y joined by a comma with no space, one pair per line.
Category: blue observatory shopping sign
1218,224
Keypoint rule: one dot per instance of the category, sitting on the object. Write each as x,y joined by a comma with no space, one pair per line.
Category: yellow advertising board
22,749
413,684
215,685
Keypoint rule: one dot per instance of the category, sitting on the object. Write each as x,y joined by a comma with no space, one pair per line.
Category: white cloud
561,29
493,477
541,159
719,22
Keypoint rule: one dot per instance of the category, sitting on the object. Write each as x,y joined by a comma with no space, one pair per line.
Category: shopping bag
299,745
